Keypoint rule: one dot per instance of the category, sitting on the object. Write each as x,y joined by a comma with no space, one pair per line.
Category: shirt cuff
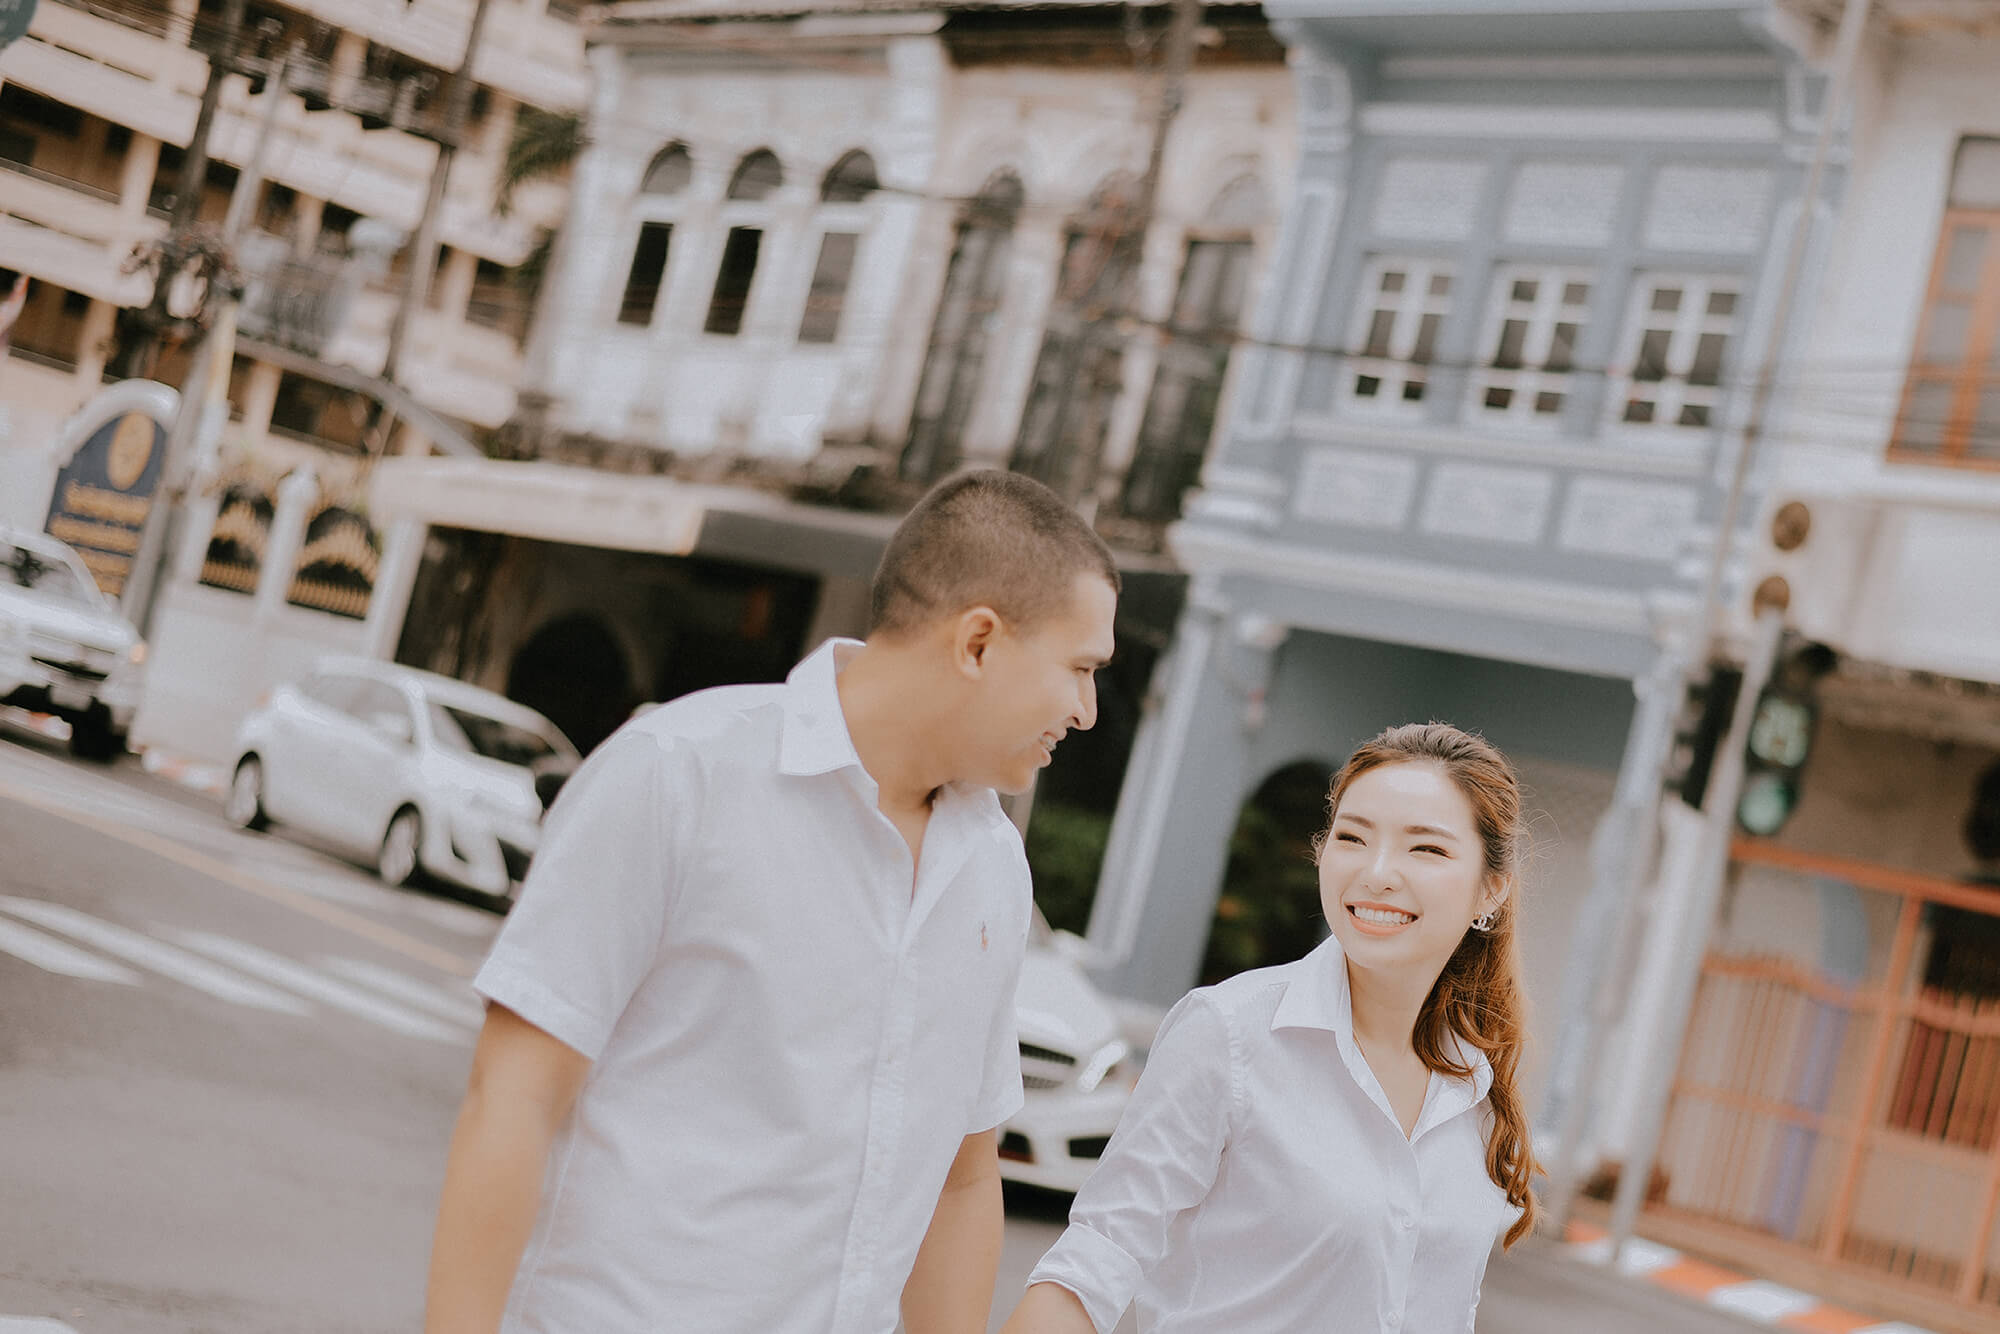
528,997
998,1109
1095,1268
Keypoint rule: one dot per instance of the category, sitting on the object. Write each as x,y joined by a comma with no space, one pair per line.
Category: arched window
847,184
669,172
666,179
955,361
756,176
850,180
755,179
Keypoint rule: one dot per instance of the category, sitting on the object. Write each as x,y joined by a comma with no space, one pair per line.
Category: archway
573,672
1269,910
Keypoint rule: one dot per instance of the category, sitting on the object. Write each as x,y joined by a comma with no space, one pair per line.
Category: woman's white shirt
1259,1180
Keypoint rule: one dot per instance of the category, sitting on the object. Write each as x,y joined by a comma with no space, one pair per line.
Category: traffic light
1780,740
1698,733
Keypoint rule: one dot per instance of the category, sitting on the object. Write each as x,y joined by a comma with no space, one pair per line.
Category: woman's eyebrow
1428,829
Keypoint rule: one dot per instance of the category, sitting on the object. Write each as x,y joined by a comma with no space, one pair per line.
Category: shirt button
1406,1222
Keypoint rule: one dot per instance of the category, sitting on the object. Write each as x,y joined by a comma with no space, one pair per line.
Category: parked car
64,649
435,776
1076,1070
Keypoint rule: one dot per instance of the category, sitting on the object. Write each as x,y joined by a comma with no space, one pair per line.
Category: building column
1034,266
395,581
180,24
94,343
350,54
135,183
260,396
308,211
297,495
454,285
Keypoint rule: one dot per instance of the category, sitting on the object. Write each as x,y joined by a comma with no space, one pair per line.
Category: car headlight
136,655
1101,1063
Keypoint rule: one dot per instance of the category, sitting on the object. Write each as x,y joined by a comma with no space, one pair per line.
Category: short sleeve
588,924
1162,1160
1000,1094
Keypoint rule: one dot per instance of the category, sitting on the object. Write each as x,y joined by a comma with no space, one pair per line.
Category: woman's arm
1049,1308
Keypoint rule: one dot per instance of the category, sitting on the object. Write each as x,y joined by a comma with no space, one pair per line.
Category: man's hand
523,1084
951,1288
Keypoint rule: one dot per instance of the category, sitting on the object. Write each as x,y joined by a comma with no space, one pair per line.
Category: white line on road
147,952
32,1324
458,1007
284,972
53,956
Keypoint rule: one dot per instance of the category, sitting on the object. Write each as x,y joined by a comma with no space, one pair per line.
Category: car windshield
28,568
477,734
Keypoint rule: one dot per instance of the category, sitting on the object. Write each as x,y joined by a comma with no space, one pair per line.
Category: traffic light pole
1624,857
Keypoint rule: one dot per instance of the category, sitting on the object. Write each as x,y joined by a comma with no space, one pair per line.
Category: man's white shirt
788,1043
1260,1181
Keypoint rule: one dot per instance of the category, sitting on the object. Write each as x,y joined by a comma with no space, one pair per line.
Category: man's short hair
985,538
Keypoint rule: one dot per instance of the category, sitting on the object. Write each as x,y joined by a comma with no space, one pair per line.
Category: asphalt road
229,1065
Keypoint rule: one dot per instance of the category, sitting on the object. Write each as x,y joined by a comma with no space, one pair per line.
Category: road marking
32,1324
169,849
461,1007
280,971
53,956
153,954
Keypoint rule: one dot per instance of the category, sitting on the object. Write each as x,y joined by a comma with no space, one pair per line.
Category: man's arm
951,1289
522,1087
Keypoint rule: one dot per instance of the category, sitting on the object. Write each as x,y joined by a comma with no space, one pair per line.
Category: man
751,1025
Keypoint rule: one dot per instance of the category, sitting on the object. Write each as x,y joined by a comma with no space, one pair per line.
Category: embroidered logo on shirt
982,935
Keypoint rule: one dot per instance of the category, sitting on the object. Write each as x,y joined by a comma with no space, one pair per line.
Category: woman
1333,1144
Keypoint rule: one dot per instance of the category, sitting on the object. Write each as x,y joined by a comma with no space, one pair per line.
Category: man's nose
1086,705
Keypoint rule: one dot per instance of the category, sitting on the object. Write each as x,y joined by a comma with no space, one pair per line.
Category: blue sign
15,16
105,492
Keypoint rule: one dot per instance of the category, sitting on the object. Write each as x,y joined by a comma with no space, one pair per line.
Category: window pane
1499,397
1963,256
1638,410
1440,284
1513,335
1576,294
1392,281
1524,289
1707,368
1547,403
669,173
1667,298
1562,348
851,180
1379,329
1652,361
1413,391
829,288
1693,414
1367,386
732,283
1944,339
1926,413
757,175
642,283
1427,331
1722,303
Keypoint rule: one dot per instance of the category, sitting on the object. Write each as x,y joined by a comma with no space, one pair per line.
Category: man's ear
976,629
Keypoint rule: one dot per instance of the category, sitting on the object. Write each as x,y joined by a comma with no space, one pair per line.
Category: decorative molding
1567,124
1355,488
1611,516
1708,209
1664,65
1563,204
1645,458
1488,504
1428,198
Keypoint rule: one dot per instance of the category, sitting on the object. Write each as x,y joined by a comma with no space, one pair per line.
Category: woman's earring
1485,920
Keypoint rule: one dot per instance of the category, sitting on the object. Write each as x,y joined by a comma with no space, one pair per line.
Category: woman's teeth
1383,916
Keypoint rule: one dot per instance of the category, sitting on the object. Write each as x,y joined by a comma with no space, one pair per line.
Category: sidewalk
1753,1303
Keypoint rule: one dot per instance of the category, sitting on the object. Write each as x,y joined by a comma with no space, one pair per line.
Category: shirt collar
1317,996
815,739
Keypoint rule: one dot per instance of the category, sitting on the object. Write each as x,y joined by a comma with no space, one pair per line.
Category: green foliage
1269,910
1065,852
544,144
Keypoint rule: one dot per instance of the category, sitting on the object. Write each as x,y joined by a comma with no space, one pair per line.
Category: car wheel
91,738
244,806
399,863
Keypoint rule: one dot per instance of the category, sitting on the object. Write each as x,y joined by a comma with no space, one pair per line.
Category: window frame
1674,391
1397,370
1976,372
1526,383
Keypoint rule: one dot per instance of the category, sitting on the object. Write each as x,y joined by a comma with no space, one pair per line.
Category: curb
208,778
1758,1300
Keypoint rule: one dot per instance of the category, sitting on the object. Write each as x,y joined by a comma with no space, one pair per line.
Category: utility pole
140,349
423,249
1719,806
1097,370
204,395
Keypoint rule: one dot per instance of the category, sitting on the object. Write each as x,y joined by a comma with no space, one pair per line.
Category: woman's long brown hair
1478,996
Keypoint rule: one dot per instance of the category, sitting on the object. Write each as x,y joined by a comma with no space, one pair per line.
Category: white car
435,776
64,649
1076,1069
